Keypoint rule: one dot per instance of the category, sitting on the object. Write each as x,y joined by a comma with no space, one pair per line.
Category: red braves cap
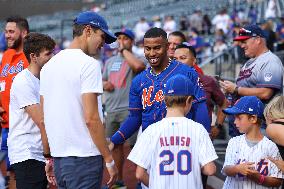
248,32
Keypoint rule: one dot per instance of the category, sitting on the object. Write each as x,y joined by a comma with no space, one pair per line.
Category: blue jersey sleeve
199,113
128,127
134,119
135,99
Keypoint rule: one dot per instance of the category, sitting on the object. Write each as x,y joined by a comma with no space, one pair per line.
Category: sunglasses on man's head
244,32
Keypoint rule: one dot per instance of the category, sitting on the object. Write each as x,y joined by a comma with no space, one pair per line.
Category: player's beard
17,43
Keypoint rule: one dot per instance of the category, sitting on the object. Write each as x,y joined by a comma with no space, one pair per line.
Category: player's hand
112,171
278,163
245,168
108,86
228,86
214,132
50,172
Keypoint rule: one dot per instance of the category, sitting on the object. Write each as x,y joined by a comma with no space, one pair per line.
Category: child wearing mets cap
246,162
173,152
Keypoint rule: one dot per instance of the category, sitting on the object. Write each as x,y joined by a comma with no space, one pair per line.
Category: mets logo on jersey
261,167
147,94
13,69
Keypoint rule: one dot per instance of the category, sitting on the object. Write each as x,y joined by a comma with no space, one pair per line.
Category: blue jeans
78,172
4,146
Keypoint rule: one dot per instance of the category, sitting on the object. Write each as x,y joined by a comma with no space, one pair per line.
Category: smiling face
155,50
13,35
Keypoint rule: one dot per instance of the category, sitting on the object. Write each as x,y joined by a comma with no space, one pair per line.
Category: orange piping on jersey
122,135
171,71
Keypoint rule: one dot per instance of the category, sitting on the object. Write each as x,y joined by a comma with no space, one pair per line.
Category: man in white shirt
24,139
70,89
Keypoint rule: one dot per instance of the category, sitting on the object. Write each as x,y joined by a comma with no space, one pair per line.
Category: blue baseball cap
93,19
129,33
179,85
248,32
247,105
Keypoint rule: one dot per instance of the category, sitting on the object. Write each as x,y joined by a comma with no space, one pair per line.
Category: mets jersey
147,105
173,151
239,151
12,64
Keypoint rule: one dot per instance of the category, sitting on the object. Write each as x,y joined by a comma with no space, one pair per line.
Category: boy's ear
253,118
189,101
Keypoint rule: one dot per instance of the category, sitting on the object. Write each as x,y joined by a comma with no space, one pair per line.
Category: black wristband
46,155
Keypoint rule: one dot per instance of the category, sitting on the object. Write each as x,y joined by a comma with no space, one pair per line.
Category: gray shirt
264,71
118,72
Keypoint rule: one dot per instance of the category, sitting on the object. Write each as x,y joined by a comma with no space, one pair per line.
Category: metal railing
224,63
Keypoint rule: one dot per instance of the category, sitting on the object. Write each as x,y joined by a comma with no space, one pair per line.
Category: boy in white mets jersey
246,163
174,150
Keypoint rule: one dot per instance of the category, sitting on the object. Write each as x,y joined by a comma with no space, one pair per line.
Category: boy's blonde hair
275,109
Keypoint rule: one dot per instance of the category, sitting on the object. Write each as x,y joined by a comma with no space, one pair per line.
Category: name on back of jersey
174,141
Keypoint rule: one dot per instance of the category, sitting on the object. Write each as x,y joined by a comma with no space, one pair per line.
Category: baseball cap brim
241,38
110,38
122,33
233,111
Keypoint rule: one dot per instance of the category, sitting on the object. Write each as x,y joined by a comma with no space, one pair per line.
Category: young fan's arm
142,175
209,169
268,181
243,168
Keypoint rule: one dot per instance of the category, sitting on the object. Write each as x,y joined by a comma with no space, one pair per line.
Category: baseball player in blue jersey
146,97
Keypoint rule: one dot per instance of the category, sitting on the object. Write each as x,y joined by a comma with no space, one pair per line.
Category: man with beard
13,62
146,97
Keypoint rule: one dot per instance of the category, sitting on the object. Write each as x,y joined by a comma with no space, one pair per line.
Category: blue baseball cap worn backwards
179,85
95,20
247,105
